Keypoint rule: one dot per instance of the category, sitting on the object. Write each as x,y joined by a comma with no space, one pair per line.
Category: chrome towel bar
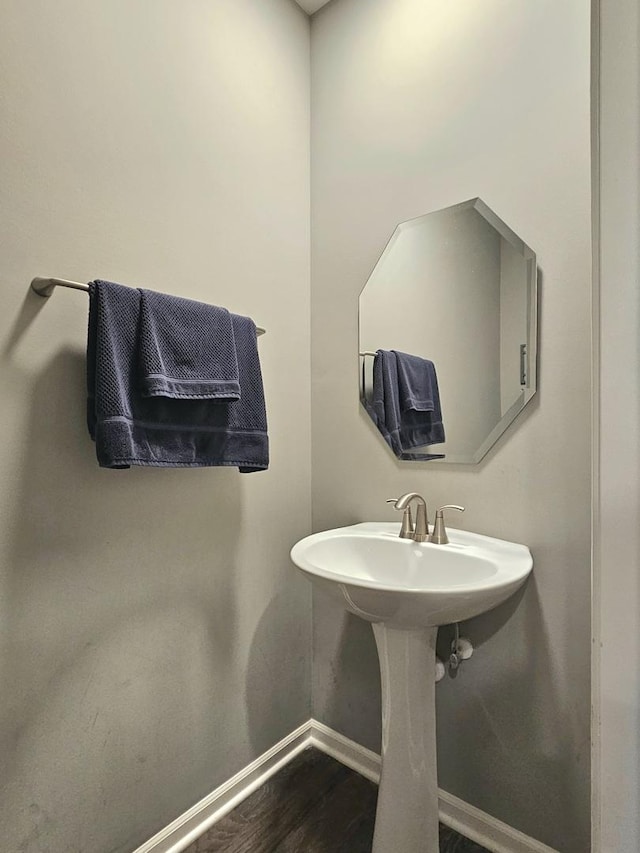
46,286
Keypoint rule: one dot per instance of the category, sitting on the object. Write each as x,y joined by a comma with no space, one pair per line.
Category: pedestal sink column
407,813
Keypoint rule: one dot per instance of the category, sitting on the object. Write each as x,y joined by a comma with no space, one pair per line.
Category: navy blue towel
130,428
405,403
187,349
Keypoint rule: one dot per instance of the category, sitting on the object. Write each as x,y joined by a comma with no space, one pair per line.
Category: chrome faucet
420,531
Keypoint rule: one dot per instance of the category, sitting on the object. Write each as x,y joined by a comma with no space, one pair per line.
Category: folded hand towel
187,349
132,429
405,404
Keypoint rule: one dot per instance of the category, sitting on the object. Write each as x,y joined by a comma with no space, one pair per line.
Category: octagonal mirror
448,334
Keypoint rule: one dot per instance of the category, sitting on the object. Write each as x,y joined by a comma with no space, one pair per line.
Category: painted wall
143,612
617,539
419,104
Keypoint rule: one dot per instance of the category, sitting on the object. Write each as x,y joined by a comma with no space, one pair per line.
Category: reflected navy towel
406,403
187,349
132,429
419,398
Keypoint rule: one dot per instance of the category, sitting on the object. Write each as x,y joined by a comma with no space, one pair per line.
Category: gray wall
617,533
419,104
143,613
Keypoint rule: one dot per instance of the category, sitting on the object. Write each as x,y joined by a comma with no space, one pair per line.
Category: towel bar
363,383
46,286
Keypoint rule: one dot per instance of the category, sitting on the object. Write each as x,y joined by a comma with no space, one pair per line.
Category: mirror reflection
448,333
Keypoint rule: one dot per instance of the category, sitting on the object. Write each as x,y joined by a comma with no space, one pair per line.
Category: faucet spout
404,500
421,529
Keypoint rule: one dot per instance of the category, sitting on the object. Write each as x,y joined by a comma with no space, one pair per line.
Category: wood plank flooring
313,805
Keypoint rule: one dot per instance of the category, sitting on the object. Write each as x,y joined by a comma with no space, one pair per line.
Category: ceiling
311,6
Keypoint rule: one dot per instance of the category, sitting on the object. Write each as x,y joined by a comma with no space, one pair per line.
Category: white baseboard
199,818
485,830
455,813
344,750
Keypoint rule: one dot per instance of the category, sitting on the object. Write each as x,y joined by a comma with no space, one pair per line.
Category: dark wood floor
313,805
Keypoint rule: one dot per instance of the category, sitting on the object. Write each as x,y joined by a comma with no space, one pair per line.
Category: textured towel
419,400
131,429
187,349
405,404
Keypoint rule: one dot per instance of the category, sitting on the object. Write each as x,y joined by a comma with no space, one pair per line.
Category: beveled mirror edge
531,387
502,228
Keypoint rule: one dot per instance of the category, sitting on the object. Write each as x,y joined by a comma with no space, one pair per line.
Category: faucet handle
407,528
439,535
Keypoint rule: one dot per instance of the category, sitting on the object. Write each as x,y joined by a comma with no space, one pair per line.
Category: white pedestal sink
407,590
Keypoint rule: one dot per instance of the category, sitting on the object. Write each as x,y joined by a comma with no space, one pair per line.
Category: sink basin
383,578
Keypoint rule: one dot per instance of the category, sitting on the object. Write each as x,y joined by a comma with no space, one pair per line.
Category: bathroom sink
405,584
406,589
